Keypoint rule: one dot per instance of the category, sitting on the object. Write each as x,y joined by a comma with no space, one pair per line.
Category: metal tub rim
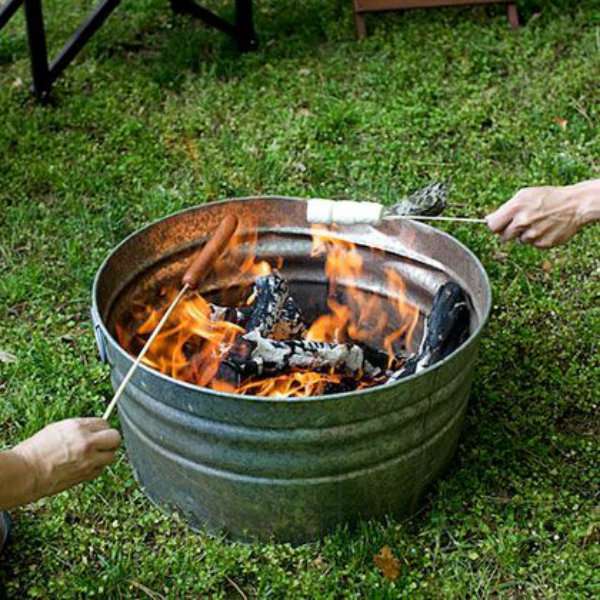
103,334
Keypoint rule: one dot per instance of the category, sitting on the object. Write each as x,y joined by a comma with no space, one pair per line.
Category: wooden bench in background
364,6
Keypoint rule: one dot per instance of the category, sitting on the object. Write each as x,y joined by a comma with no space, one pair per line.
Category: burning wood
256,356
272,313
446,328
270,295
264,347
275,313
231,314
291,323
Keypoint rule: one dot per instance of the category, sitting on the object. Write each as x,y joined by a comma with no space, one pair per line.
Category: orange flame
364,317
192,344
189,328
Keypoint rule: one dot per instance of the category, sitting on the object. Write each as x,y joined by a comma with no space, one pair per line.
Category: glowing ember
198,336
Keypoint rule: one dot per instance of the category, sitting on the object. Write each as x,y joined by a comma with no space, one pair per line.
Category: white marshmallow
343,212
319,211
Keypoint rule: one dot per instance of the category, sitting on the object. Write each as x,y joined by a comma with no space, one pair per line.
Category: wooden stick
426,218
199,268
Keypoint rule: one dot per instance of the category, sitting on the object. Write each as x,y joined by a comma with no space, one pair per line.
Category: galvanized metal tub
290,469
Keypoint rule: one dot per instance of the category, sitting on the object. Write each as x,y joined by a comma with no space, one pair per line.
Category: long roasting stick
199,268
434,218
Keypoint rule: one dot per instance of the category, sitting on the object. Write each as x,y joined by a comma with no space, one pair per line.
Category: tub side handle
100,341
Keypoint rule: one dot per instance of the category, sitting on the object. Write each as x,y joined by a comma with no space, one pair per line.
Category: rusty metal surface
290,469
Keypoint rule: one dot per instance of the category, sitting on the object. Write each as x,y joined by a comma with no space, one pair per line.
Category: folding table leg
79,39
244,24
7,10
359,21
37,48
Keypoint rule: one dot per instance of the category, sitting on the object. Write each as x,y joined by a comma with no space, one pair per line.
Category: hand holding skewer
547,216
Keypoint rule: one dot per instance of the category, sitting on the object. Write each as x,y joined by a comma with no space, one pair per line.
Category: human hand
546,216
68,452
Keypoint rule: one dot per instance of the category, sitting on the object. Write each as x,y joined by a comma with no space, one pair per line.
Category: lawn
160,113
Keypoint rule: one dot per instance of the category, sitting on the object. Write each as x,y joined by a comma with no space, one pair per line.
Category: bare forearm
17,480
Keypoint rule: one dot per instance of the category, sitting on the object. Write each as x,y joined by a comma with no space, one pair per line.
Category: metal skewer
199,268
434,218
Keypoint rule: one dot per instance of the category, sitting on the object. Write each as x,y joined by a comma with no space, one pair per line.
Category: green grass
160,113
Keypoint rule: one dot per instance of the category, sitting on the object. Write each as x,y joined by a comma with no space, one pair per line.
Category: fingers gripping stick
198,270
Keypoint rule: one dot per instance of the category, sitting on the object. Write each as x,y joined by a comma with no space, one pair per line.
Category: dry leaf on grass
547,266
387,563
562,123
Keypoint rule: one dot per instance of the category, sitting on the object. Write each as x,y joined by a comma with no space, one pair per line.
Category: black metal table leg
242,31
189,7
37,48
244,24
44,75
84,32
7,10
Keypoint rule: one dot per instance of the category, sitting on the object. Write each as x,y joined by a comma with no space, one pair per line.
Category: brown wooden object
364,6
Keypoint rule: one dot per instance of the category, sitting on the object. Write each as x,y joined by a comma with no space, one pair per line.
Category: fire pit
288,455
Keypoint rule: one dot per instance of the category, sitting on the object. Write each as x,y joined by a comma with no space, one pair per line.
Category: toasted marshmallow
343,212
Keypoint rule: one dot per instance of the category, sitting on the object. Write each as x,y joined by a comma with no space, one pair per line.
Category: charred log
446,328
270,295
273,312
291,323
256,356
236,315
345,385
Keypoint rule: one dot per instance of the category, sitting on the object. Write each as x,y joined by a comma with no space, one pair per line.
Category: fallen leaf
547,266
7,357
562,123
387,563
